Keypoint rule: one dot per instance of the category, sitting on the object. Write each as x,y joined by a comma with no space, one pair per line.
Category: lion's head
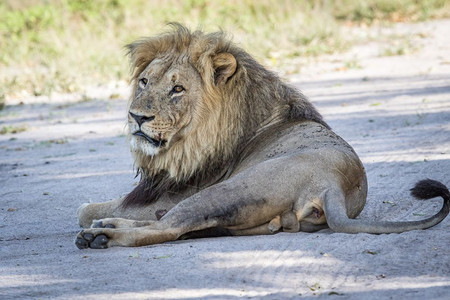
197,101
167,95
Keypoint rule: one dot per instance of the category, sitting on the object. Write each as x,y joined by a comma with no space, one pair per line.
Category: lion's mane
228,118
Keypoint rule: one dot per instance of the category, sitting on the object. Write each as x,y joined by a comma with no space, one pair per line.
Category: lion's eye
177,89
143,82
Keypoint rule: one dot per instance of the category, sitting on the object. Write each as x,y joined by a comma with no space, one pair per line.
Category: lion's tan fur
250,156
251,98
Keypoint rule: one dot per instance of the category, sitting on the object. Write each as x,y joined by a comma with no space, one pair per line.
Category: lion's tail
425,189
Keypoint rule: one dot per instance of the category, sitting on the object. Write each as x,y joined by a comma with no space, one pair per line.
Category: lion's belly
323,158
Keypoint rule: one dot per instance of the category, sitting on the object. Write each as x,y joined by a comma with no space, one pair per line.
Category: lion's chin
138,144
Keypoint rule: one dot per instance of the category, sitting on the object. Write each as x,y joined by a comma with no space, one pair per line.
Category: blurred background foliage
52,46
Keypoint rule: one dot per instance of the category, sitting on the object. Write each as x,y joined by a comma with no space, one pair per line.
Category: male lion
224,146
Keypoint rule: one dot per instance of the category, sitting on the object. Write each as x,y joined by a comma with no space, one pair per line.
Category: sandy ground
395,112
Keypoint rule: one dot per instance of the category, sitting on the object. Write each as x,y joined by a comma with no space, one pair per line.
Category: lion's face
161,110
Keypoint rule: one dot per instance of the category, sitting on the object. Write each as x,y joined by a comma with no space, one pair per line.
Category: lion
224,147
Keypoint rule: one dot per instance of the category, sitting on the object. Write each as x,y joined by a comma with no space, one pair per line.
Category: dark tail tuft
428,188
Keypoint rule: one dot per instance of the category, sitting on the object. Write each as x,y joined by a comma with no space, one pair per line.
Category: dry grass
63,46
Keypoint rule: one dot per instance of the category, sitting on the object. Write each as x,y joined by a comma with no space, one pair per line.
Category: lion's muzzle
154,142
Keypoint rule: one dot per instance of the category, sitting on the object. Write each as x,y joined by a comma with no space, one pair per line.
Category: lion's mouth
154,142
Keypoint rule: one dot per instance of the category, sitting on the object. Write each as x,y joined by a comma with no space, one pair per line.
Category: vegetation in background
12,129
62,45
2,100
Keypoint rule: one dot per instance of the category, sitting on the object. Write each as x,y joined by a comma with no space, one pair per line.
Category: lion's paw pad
81,243
100,242
87,240
89,237
99,224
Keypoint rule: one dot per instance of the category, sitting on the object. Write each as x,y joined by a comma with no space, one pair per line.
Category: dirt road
395,112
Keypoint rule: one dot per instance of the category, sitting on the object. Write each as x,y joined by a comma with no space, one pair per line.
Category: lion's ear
224,67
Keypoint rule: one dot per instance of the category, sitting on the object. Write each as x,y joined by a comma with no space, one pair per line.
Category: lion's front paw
89,240
84,215
121,223
102,224
114,223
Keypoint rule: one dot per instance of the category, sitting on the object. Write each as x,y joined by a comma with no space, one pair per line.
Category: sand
395,112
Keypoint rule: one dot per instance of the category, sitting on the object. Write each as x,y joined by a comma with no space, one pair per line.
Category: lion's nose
141,119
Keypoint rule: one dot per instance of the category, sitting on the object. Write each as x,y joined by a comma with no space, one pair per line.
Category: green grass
2,100
369,11
9,129
64,45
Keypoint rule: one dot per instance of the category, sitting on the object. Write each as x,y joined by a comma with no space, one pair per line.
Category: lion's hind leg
310,227
286,222
275,224
258,230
